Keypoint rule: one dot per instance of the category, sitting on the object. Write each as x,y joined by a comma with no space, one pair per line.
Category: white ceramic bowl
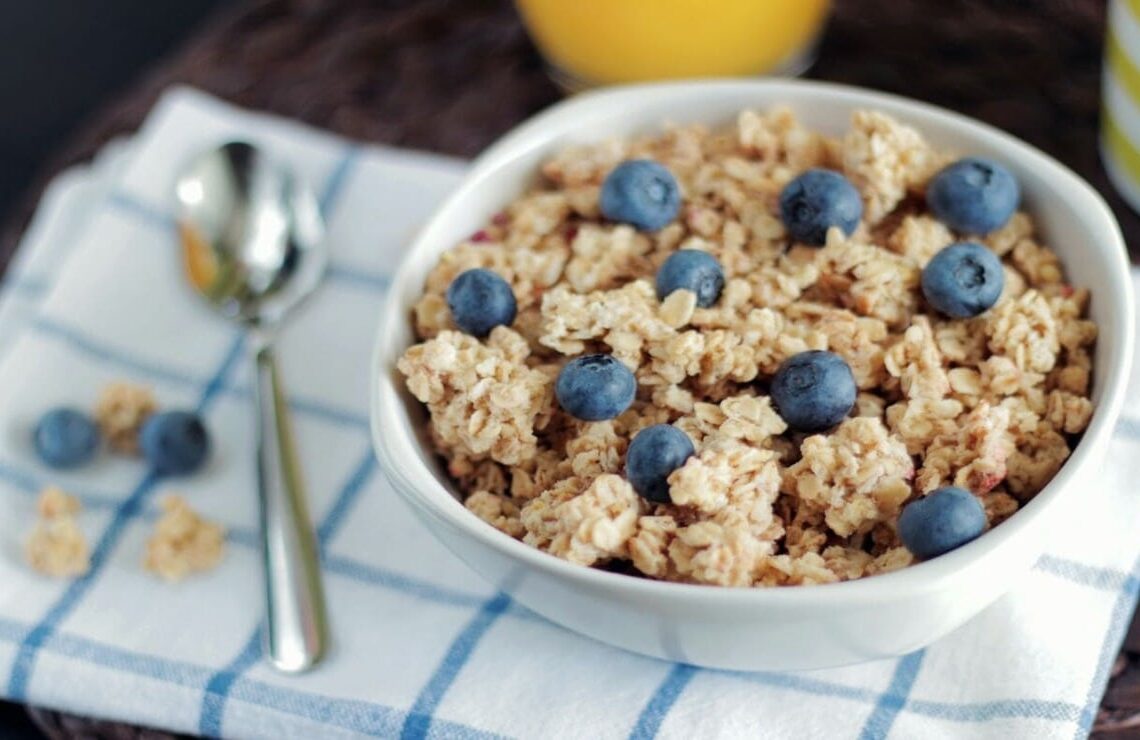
739,628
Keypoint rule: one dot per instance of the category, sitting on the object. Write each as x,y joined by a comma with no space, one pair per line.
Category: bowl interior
1071,217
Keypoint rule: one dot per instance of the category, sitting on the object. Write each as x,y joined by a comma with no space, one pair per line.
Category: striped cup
1120,113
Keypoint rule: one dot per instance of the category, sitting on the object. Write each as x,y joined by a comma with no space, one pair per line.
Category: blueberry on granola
654,453
973,195
813,391
66,438
595,387
963,280
817,200
174,442
693,270
642,193
942,520
480,300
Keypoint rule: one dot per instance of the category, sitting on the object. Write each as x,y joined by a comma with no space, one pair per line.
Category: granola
120,412
57,546
992,404
183,542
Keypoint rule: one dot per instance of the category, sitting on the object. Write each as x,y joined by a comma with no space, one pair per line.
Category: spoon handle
296,631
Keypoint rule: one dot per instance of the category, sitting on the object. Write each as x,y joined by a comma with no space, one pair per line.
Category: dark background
59,59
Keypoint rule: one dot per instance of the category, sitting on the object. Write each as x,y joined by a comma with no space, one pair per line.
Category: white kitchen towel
423,648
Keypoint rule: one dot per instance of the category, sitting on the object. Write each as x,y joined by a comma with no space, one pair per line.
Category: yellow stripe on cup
1121,67
1120,105
1123,152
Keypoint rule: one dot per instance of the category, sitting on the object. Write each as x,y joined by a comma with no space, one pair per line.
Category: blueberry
595,387
941,521
654,453
642,193
174,442
813,390
963,280
817,200
973,195
66,438
480,300
693,270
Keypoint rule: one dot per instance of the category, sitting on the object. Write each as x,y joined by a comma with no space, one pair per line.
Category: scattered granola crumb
57,547
183,543
54,503
120,412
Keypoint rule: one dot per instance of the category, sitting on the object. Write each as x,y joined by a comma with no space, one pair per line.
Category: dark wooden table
452,75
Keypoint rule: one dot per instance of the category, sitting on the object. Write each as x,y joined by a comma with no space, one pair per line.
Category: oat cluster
991,403
120,412
57,546
183,542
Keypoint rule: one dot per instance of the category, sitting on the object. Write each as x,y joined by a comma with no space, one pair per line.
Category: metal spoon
252,239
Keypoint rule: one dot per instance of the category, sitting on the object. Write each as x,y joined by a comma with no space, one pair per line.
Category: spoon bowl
251,234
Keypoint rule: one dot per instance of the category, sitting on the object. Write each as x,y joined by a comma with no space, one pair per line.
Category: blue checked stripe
375,576
140,211
1121,611
953,711
420,719
325,412
804,684
1056,711
98,351
340,175
1104,579
356,482
26,482
25,286
221,683
353,715
353,276
219,686
1128,428
654,713
24,662
891,702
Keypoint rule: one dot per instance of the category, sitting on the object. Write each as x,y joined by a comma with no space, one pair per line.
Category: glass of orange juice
601,42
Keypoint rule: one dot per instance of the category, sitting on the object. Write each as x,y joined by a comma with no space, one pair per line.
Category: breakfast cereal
990,403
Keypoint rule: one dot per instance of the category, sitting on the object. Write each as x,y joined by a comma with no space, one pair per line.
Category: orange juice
609,41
